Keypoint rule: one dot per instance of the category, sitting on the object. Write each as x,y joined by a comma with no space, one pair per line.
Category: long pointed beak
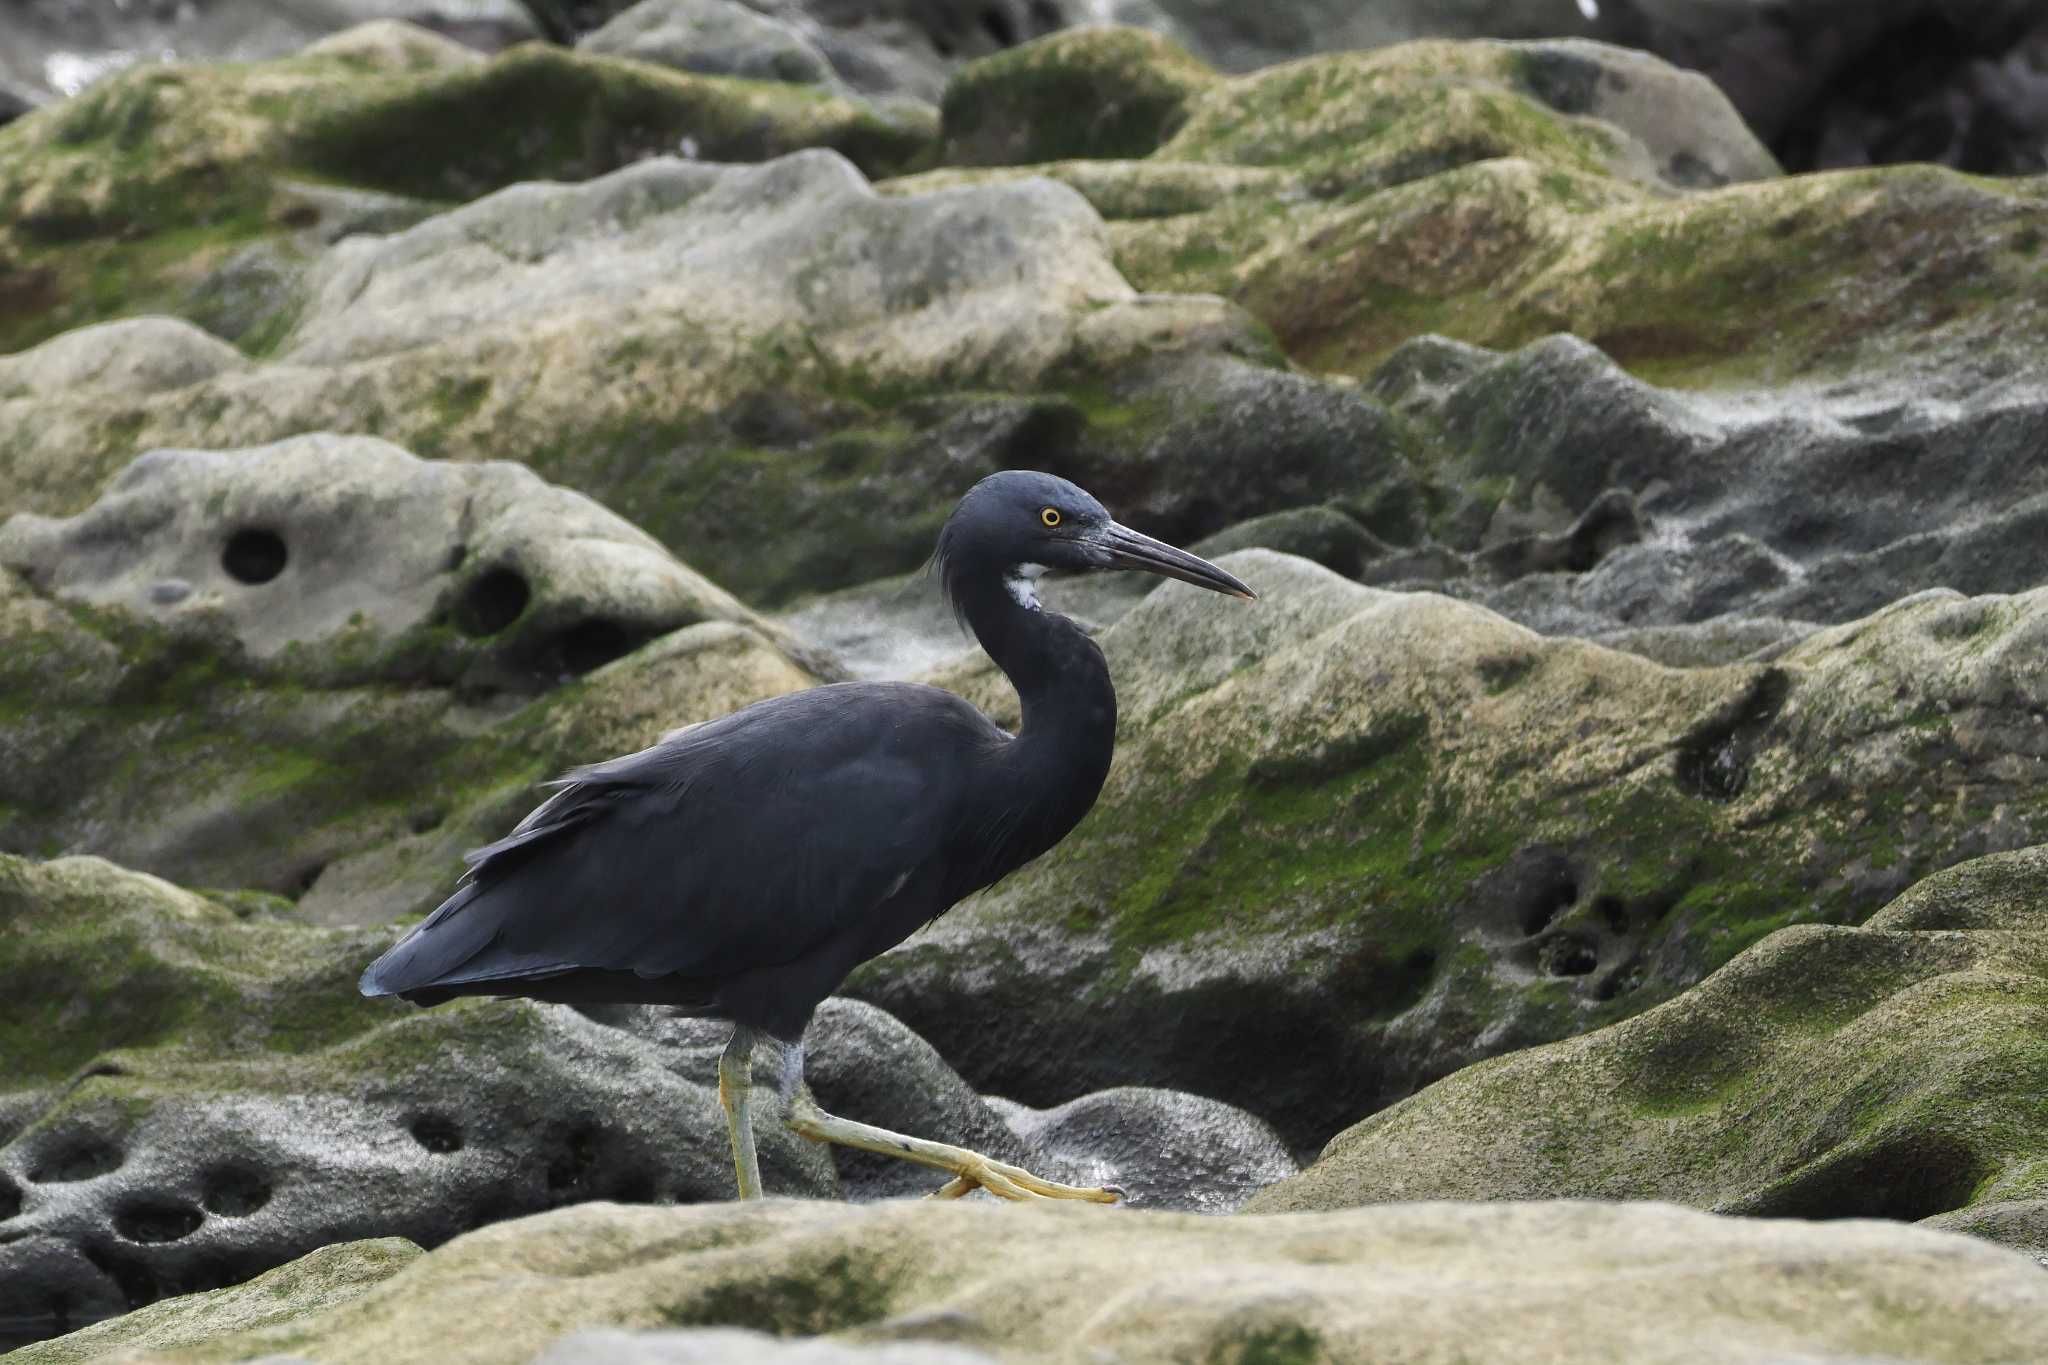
1130,549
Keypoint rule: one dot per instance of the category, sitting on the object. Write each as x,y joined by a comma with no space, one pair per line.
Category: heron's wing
724,849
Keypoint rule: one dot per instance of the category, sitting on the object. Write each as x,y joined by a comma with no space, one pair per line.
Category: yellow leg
735,1090
969,1169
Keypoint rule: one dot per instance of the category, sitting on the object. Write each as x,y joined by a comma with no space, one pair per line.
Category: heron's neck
1062,750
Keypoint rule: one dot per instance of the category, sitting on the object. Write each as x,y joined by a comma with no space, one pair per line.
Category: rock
1166,1150
350,548
847,352
719,1345
1385,835
1090,92
1886,1071
714,38
350,773
234,1103
1419,1281
1495,193
224,1101
1788,506
132,357
122,195
57,50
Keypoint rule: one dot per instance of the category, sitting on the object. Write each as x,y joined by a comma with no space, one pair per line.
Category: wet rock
1045,1283
713,38
1827,1072
58,49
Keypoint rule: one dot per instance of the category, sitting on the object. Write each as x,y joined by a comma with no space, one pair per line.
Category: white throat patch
1023,584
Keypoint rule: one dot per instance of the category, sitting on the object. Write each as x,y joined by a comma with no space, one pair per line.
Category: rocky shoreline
1610,837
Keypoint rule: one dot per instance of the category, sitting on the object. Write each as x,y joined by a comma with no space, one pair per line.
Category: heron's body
742,868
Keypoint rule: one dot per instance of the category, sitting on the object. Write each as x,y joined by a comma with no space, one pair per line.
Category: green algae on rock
1085,92
1498,192
1895,1070
1418,1281
117,201
176,748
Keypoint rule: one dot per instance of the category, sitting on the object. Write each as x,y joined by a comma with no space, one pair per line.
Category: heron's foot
1005,1181
970,1170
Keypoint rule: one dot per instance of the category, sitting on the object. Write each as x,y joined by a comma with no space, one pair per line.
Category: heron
740,869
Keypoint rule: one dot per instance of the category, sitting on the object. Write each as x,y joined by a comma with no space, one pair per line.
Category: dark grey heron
740,869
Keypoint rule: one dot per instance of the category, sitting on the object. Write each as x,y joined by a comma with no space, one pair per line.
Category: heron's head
1020,523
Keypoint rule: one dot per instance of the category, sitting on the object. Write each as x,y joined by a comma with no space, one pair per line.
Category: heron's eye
1050,516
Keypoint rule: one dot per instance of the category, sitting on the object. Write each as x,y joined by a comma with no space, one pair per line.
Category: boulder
1089,92
1887,1071
713,38
348,549
1383,835
924,1284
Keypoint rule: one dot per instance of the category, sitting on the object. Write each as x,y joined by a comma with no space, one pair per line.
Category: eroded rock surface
1423,1281
1887,1071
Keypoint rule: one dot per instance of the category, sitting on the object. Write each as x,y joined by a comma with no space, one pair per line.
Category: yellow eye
1050,516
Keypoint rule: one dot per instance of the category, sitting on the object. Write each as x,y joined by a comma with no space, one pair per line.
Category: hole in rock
437,1133
1548,898
1567,957
996,25
233,1191
428,819
456,554
303,883
590,645
1913,1175
79,1159
1613,913
157,1220
1046,17
253,556
10,1198
137,1285
491,603
572,1165
104,1069
1713,761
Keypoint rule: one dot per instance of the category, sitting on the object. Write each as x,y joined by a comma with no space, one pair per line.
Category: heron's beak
1130,549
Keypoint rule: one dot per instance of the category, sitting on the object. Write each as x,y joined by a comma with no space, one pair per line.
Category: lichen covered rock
1417,1281
1889,1071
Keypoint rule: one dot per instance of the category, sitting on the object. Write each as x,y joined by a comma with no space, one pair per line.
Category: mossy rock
1385,835
1891,1071
1086,92
174,751
1596,1283
1498,192
117,201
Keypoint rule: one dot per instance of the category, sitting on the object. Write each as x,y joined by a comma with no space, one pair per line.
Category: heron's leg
735,1087
969,1169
